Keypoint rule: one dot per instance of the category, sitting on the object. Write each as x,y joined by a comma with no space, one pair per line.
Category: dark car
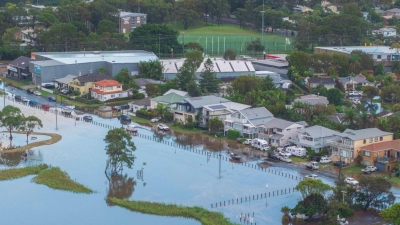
17,98
315,158
30,91
49,86
65,91
51,99
87,118
340,163
272,155
124,118
32,103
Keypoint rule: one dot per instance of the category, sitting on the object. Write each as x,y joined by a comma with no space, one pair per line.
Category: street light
55,91
262,28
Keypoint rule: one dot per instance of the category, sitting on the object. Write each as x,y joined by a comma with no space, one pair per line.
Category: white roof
178,92
230,106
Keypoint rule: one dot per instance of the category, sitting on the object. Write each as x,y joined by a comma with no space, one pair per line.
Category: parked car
340,163
351,181
325,160
24,99
311,176
312,165
51,99
354,93
65,91
162,126
49,86
156,119
285,154
33,103
18,98
286,159
369,169
125,118
30,91
37,93
87,118
272,155
247,142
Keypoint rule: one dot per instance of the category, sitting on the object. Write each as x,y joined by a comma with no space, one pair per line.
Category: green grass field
215,39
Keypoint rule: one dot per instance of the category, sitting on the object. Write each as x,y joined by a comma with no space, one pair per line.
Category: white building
108,89
315,137
278,131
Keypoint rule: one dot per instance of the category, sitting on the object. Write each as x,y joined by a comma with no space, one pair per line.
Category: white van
260,144
325,160
301,152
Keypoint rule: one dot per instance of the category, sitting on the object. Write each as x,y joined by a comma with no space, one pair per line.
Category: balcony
340,143
387,160
249,131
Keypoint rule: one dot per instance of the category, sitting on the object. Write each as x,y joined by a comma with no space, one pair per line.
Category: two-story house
384,155
347,145
190,107
84,83
249,122
312,100
278,131
220,110
170,100
350,83
315,137
18,69
108,89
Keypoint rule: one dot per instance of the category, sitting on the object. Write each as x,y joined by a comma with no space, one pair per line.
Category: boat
236,157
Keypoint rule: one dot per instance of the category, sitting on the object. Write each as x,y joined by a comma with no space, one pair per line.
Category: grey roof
304,123
272,62
21,62
143,81
320,80
92,77
128,56
395,10
363,133
383,113
379,11
256,113
48,63
198,102
179,92
312,99
66,79
357,79
319,131
142,102
278,123
337,117
276,136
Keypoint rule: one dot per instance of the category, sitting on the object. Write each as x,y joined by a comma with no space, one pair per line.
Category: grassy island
16,173
200,214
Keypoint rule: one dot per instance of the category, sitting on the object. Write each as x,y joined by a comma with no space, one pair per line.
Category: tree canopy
119,149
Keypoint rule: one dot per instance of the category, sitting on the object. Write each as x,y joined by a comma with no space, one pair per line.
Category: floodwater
177,170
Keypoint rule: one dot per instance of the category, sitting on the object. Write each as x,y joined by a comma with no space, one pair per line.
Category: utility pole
262,26
159,55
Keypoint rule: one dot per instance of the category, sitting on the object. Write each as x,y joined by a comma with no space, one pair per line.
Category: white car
247,142
311,176
351,181
370,169
325,160
285,154
156,119
24,99
162,127
37,93
354,93
286,159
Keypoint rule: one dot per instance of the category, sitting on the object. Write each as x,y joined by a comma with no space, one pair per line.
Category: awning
276,136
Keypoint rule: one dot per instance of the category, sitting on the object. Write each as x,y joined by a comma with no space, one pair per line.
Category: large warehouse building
52,65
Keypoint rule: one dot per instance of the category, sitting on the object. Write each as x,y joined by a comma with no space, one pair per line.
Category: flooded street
173,168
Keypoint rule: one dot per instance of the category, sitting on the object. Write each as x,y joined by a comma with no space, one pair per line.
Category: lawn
15,83
185,130
352,169
139,119
44,93
299,159
215,39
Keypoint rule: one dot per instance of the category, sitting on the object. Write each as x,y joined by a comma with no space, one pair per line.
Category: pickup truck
312,165
369,169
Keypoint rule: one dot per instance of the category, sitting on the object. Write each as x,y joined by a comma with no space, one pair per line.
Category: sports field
215,39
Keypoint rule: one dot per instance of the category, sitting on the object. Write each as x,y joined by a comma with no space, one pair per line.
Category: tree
285,218
311,205
106,26
209,83
151,69
193,89
214,125
186,16
152,89
12,119
392,214
396,107
374,190
194,46
370,92
255,46
194,59
29,124
119,149
229,54
390,93
162,110
334,96
350,118
104,71
47,19
185,75
170,84
312,186
245,83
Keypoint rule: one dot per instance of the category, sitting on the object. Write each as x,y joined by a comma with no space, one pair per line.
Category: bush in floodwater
15,173
233,134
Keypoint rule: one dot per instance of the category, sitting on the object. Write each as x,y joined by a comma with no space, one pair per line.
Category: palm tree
363,119
350,117
162,110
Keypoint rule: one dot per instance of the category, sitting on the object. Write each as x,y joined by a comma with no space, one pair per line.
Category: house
386,32
384,155
220,110
393,12
315,82
351,83
170,100
278,131
312,100
315,137
27,38
18,69
248,121
193,106
336,118
178,92
301,9
106,111
348,144
140,104
63,82
84,83
142,82
380,11
108,89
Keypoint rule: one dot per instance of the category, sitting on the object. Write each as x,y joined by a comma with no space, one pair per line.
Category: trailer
260,144
312,165
296,151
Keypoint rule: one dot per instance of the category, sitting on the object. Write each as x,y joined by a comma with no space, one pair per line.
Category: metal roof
21,62
363,133
66,79
376,50
318,131
198,102
279,123
312,99
169,98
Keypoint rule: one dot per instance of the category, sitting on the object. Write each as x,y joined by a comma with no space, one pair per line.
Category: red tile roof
106,93
107,83
395,144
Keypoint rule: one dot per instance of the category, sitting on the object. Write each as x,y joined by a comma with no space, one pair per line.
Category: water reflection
119,186
11,159
29,157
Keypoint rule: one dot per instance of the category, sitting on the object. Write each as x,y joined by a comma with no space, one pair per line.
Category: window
279,130
365,141
370,140
376,139
287,129
118,86
109,88
366,162
380,138
343,153
378,56
112,96
367,153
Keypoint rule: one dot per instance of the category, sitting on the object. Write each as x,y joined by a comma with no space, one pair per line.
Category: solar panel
217,107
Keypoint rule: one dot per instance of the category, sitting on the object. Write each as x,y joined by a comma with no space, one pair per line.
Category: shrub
76,93
233,134
94,101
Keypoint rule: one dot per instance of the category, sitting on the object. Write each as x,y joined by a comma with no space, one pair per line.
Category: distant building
315,137
315,82
393,12
277,65
385,32
313,100
301,9
142,82
18,69
278,131
219,110
128,21
84,83
383,155
351,83
108,89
